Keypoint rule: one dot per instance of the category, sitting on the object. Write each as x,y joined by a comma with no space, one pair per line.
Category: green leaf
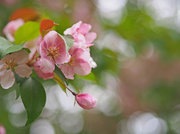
27,32
7,47
13,48
61,75
16,87
69,42
59,82
33,97
90,77
4,44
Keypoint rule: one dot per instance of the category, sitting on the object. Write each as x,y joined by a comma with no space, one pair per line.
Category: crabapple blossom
80,32
53,47
10,29
44,68
11,63
86,101
78,64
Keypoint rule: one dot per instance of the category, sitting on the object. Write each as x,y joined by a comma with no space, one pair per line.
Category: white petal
21,56
7,80
23,70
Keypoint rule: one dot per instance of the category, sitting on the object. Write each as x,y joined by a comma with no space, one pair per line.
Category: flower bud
2,130
86,101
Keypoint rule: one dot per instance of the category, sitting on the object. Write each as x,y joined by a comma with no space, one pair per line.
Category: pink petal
81,45
81,53
2,68
68,71
10,29
21,56
90,37
33,46
84,28
79,38
10,37
43,49
46,65
92,62
73,29
7,80
23,70
82,67
62,57
42,74
50,37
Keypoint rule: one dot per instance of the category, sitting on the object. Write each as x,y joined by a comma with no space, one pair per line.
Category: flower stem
65,86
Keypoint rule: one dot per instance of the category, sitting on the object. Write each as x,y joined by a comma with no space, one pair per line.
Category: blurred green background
137,80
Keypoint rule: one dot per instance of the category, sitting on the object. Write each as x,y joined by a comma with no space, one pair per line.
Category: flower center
9,63
72,61
53,51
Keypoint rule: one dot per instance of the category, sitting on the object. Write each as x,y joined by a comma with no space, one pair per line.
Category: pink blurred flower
44,68
86,101
14,62
78,64
10,29
80,32
53,47
2,130
9,2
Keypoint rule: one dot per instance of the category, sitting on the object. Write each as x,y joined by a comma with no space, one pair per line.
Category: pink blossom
44,68
2,130
10,29
86,101
53,47
85,48
33,46
11,63
80,32
78,64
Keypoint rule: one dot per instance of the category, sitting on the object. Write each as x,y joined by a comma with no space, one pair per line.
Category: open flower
80,32
11,63
86,101
78,64
10,29
53,47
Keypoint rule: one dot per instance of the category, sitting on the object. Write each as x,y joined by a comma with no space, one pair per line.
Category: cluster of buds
47,52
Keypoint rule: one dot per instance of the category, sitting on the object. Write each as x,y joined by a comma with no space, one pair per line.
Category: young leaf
61,75
46,25
69,42
90,77
27,32
33,97
60,82
7,47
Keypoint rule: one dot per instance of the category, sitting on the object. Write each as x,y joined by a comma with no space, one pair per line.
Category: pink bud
86,101
2,130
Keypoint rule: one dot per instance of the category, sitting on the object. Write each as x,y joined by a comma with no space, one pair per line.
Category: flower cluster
47,52
53,52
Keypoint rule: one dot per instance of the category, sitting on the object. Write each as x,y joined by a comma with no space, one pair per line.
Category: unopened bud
86,101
